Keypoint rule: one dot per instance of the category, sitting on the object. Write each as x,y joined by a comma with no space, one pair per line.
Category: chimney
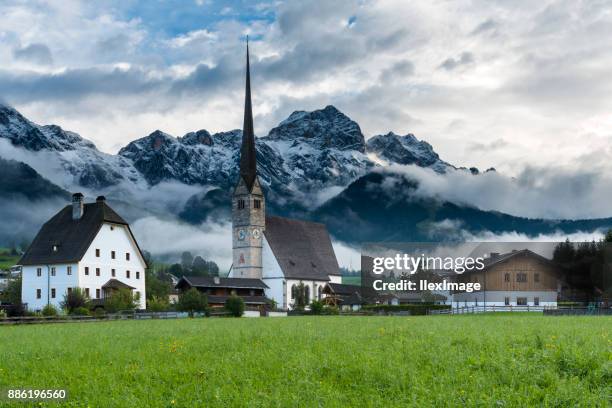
100,199
77,206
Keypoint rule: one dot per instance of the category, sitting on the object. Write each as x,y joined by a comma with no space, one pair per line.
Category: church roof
248,159
71,238
303,249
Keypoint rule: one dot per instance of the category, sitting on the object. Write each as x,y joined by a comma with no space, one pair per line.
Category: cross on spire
248,160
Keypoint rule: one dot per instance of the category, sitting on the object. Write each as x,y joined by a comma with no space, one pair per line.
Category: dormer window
55,248
240,204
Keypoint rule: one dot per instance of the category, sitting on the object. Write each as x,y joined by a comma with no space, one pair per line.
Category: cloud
165,237
553,193
35,53
450,64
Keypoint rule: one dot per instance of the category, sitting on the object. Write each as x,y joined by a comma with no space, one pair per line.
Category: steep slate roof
248,160
72,237
209,282
303,249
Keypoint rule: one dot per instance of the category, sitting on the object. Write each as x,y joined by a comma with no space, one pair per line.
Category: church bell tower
248,204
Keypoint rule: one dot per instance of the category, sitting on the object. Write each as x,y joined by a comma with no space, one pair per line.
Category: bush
3,314
192,301
80,311
415,309
157,304
122,299
75,299
331,310
235,305
49,310
316,307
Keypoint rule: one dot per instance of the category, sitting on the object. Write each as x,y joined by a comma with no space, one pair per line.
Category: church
282,252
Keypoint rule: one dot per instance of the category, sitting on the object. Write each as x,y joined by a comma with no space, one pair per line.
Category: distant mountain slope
18,180
369,211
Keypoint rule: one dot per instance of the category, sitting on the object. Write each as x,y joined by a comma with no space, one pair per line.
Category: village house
218,290
282,252
88,246
517,278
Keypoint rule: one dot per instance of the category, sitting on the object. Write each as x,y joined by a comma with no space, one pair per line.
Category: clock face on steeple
241,235
256,233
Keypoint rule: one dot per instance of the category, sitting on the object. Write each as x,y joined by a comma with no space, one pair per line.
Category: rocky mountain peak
323,128
406,149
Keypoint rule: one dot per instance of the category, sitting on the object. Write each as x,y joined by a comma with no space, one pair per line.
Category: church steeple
248,160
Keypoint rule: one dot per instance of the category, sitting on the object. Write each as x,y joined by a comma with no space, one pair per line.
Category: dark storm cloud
450,64
35,53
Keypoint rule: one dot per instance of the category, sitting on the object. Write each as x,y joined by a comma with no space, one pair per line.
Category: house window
38,271
87,292
87,270
38,293
240,204
97,253
127,256
97,271
521,277
113,254
506,277
137,275
97,293
69,291
53,293
69,270
536,277
507,301
127,274
521,301
257,203
536,301
113,273
53,271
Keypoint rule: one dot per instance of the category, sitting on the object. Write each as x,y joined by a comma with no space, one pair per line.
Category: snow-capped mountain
64,157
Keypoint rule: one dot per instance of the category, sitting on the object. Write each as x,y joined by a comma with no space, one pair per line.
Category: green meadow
511,360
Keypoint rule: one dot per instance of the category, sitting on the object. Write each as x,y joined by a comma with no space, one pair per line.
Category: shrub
122,299
49,310
235,305
74,299
192,301
157,304
3,314
331,310
80,311
316,307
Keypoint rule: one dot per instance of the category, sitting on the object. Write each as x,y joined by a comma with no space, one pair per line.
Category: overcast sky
509,84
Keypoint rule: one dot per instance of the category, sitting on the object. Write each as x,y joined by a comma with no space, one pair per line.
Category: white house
282,252
84,245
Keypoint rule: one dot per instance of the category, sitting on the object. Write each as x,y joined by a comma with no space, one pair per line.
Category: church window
307,294
320,292
257,204
240,204
293,292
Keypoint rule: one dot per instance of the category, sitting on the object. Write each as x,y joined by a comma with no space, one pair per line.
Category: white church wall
113,237
272,276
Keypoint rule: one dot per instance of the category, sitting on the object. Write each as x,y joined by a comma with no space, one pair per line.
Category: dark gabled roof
231,283
116,284
72,237
303,249
249,300
343,289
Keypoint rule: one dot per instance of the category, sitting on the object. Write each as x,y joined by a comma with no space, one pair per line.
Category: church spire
248,161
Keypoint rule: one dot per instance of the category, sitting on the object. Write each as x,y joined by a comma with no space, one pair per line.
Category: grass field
495,360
